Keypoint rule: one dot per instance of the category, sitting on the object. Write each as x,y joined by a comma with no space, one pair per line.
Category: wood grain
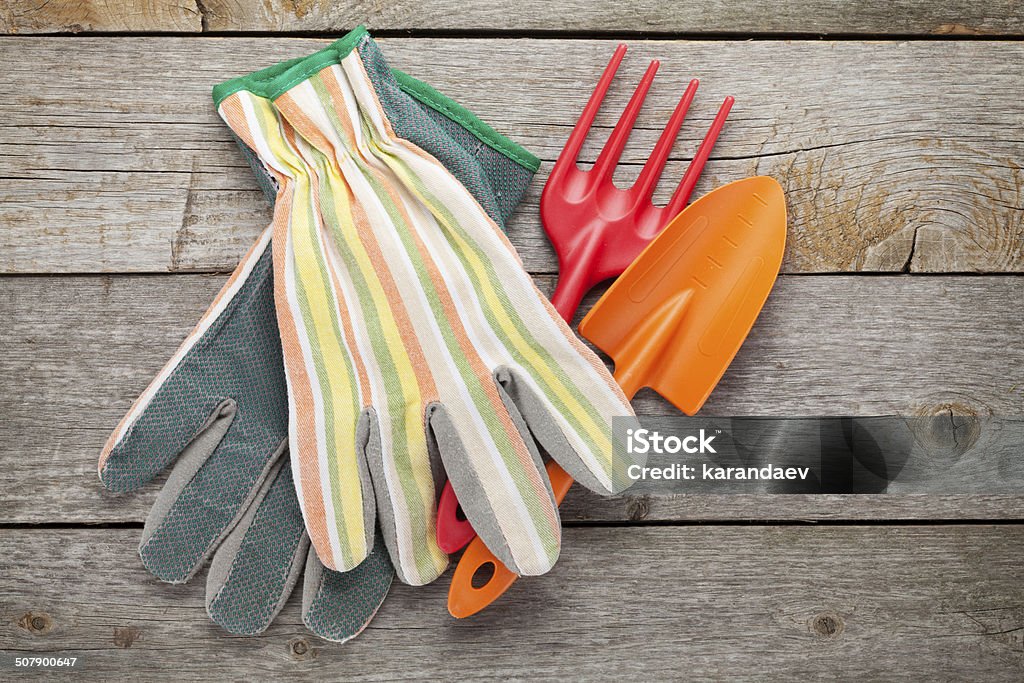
907,163
820,17
78,350
848,603
86,16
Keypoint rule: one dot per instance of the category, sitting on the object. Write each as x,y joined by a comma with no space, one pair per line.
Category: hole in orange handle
483,575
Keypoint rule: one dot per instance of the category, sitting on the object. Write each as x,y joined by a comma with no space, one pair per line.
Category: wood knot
301,650
827,625
126,635
36,623
953,429
638,508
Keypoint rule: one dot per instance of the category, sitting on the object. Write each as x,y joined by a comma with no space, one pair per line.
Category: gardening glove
413,337
219,409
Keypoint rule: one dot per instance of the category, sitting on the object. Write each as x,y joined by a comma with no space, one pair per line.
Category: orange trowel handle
465,599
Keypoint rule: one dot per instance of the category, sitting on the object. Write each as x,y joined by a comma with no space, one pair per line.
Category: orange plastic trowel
673,321
676,317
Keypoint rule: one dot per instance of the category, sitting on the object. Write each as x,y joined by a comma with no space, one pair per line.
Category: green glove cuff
273,81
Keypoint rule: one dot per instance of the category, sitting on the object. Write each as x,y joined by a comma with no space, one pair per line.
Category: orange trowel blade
675,319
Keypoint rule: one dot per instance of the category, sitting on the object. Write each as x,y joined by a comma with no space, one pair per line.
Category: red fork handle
465,599
569,293
576,280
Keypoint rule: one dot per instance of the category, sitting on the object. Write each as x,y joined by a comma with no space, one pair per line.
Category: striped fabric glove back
219,412
415,343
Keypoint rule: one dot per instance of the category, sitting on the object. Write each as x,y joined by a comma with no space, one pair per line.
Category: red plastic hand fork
597,230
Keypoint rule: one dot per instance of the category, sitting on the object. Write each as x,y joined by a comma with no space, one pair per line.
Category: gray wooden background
895,128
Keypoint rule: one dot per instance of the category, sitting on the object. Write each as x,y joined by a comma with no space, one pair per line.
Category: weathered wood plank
78,350
877,17
908,163
848,603
84,16
792,16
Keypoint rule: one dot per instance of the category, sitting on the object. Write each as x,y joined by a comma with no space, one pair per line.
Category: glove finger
513,508
557,436
187,396
201,502
339,605
323,367
407,475
391,437
256,567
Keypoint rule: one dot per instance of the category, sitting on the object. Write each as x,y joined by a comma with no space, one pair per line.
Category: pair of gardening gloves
380,337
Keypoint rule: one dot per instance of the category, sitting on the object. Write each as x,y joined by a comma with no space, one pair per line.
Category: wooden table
896,131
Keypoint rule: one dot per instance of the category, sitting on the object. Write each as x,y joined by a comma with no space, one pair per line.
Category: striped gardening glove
415,344
219,410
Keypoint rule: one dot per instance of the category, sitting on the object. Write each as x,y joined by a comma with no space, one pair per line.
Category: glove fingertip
164,565
338,606
118,473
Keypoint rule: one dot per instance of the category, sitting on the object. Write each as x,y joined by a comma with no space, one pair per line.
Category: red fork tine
651,172
609,156
579,133
689,181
